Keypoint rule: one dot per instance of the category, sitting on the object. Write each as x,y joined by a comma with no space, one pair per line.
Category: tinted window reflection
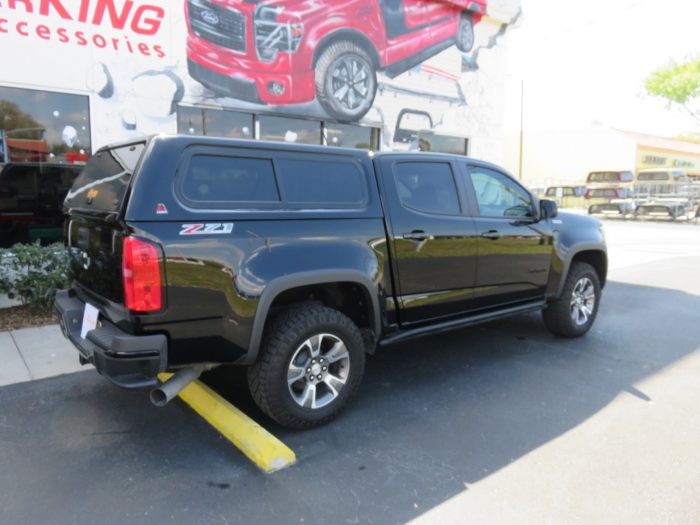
427,187
41,126
211,179
103,183
321,183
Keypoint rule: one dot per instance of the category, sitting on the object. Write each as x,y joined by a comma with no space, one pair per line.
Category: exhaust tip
159,398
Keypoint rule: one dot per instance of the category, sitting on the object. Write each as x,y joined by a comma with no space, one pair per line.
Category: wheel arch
284,290
593,255
350,35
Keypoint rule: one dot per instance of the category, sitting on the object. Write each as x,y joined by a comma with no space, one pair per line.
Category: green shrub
33,273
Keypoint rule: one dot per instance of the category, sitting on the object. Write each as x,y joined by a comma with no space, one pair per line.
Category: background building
84,74
567,156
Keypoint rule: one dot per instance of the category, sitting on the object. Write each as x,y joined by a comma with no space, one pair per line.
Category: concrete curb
35,353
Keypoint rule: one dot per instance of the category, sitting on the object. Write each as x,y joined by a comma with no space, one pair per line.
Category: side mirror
548,209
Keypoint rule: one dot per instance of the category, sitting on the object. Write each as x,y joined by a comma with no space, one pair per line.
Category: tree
12,118
678,84
689,137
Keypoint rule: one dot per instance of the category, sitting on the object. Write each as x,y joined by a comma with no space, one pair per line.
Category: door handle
417,235
494,235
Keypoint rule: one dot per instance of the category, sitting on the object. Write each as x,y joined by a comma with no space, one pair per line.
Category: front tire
573,313
311,363
346,81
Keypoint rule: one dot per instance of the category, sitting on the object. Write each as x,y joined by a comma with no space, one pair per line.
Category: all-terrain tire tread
557,317
280,335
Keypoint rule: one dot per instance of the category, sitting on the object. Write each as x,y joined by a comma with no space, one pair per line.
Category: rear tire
573,313
465,33
311,363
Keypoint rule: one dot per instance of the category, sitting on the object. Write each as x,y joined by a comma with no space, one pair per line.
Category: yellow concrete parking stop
261,447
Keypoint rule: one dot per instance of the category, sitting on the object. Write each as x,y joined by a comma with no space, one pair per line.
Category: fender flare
287,282
583,247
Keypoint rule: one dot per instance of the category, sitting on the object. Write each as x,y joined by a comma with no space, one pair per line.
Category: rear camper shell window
258,180
610,176
103,182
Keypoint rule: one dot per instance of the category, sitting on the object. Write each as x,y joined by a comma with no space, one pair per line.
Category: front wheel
311,363
346,81
573,313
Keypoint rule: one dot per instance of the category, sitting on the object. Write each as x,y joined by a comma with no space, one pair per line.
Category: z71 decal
210,228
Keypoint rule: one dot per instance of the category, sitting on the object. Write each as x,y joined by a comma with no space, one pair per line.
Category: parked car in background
31,201
660,182
566,195
614,201
288,52
664,193
617,179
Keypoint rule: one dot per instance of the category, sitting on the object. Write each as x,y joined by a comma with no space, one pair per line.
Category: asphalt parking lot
501,423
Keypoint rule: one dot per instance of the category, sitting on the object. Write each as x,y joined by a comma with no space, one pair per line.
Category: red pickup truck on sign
293,51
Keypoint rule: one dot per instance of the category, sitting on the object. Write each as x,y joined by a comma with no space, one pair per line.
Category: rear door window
103,182
428,187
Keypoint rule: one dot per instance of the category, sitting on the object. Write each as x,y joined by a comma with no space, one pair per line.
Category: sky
584,62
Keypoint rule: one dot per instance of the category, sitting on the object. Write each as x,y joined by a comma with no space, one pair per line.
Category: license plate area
90,317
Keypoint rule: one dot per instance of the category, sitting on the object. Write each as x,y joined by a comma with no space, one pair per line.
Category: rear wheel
573,313
465,33
311,363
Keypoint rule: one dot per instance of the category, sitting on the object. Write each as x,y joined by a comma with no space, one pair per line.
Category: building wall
567,156
655,157
130,60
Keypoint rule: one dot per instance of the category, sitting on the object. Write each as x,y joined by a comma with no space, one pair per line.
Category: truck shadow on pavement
432,417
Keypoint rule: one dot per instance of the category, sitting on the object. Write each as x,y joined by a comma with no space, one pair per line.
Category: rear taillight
141,276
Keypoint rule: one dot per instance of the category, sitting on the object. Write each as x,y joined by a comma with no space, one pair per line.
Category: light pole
522,119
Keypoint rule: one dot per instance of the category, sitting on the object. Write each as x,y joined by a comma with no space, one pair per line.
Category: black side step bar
462,322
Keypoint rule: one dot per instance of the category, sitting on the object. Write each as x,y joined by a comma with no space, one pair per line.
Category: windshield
602,193
653,175
103,182
604,176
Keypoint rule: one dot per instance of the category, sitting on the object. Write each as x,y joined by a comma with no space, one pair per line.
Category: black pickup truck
296,261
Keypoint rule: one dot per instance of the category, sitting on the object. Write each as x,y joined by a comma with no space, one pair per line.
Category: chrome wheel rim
582,301
318,371
351,83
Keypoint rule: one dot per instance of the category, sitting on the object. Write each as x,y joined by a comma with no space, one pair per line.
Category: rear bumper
128,361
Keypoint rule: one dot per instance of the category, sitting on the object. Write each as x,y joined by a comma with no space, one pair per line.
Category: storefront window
290,129
215,122
41,126
443,143
349,136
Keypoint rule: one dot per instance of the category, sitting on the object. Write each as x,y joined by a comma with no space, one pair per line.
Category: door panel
433,243
514,249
